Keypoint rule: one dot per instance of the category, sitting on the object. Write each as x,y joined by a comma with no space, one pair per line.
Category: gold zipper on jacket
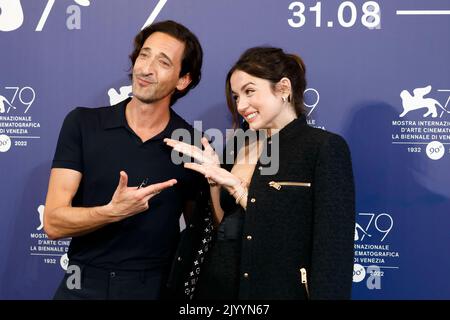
277,185
304,280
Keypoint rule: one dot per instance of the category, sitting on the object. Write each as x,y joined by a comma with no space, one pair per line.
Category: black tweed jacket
299,225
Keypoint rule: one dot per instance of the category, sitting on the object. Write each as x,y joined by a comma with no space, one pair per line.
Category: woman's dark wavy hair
271,64
192,56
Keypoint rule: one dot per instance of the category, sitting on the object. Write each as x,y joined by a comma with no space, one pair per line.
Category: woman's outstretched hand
207,156
208,163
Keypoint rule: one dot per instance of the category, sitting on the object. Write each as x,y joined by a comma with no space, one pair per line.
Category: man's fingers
158,187
123,180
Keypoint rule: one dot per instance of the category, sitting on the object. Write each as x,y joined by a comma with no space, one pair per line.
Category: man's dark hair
192,56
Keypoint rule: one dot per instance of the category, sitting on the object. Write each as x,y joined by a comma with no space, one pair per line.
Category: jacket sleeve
334,222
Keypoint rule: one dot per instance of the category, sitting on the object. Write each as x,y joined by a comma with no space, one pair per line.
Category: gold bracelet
241,183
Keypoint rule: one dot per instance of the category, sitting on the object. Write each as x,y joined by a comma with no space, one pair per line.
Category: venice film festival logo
17,127
418,101
374,255
423,124
52,252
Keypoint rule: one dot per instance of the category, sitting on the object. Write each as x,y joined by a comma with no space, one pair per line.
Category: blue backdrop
378,74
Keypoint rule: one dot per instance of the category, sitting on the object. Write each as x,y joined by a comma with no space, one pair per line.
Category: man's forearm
73,221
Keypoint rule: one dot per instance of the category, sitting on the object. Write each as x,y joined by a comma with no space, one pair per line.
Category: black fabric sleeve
334,222
196,179
69,153
191,189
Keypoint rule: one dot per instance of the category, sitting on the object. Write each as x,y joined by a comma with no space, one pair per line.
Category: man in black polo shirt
113,187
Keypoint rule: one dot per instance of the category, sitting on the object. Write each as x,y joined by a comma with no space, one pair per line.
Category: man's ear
184,81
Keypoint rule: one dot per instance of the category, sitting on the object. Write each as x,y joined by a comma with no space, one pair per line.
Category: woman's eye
164,63
249,91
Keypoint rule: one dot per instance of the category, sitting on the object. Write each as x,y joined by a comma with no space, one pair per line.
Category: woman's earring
284,99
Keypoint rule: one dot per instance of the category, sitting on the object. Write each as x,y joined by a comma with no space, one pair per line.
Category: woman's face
260,106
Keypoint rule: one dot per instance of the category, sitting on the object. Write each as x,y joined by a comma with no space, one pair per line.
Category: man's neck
147,120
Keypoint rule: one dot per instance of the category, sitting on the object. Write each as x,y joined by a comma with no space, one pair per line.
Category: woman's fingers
210,153
170,142
215,175
196,167
210,172
206,156
208,148
206,145
187,149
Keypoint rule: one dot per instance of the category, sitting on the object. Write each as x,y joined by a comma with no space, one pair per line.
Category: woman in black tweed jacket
285,233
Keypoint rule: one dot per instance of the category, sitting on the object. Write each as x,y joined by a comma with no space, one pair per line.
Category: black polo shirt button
246,275
249,237
179,259
112,274
252,200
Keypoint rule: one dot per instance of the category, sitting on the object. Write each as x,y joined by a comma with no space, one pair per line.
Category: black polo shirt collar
116,118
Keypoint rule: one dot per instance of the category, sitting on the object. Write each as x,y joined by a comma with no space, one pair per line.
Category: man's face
157,68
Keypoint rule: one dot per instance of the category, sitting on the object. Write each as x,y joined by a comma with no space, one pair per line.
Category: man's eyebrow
165,56
162,54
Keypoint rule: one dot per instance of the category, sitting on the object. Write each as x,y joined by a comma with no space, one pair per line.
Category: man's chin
145,99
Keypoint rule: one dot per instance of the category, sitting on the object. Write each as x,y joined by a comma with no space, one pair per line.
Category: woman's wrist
237,187
239,192
241,195
214,186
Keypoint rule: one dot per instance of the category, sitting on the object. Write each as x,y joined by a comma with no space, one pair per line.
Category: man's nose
149,67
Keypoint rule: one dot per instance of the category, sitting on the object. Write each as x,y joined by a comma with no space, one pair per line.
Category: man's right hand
128,201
